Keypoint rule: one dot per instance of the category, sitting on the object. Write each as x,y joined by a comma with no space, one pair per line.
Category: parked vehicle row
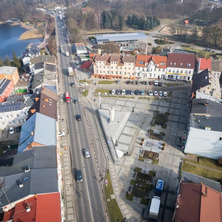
155,83
138,92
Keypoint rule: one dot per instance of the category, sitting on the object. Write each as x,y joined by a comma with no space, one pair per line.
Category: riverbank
31,33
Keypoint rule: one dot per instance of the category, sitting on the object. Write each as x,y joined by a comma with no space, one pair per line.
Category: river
9,40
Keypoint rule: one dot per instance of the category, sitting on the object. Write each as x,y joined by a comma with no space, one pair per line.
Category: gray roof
208,107
189,177
117,37
36,80
36,181
39,65
201,122
216,65
200,80
50,67
8,70
36,158
43,58
40,129
4,84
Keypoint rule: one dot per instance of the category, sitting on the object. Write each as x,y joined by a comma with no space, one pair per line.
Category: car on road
72,84
155,93
78,117
160,84
61,133
150,93
156,83
165,94
160,93
78,176
133,92
86,153
75,101
11,130
123,92
113,91
142,92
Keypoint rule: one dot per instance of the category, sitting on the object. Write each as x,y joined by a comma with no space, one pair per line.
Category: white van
113,92
123,92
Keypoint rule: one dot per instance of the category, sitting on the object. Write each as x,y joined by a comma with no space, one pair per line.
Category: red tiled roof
160,61
44,207
141,60
198,203
177,60
86,65
204,64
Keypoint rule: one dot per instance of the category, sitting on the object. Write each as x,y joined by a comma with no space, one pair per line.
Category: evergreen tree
129,20
7,61
1,62
16,61
121,22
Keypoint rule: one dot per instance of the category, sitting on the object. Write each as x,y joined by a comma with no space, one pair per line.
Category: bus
67,97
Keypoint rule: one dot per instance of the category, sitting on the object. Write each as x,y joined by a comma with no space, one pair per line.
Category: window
141,62
116,72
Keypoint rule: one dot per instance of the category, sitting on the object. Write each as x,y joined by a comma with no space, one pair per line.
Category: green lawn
105,82
20,91
114,211
201,171
85,93
209,163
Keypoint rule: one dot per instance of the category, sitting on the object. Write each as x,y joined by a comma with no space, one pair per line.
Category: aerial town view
110,111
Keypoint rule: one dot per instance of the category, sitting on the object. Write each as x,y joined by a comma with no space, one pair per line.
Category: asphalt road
88,193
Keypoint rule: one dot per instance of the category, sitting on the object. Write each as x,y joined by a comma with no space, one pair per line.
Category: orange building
6,88
9,72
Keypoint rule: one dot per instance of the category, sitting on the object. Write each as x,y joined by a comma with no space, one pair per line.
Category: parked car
165,94
123,92
133,92
128,92
78,176
86,153
155,93
142,92
156,83
75,101
150,93
61,133
118,92
113,91
11,130
160,84
137,92
72,84
160,93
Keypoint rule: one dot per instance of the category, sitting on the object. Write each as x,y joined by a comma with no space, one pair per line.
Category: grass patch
105,82
114,211
141,158
145,201
210,174
102,91
209,163
155,162
85,93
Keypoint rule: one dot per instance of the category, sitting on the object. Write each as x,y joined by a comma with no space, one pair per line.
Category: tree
121,22
1,62
16,61
129,20
7,61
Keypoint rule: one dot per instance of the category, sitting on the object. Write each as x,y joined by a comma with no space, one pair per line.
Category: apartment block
10,73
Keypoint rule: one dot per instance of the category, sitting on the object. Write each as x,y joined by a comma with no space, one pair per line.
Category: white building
150,66
205,133
180,66
14,113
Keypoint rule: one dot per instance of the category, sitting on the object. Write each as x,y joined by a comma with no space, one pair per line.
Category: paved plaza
135,128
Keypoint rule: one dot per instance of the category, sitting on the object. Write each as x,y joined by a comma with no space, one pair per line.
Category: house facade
6,88
148,66
113,66
180,66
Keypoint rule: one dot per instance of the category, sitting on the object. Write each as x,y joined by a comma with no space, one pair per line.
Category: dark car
75,101
78,117
160,84
137,92
118,92
78,176
128,92
72,84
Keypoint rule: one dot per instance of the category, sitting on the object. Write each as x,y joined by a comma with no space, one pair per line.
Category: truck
154,208
60,17
159,187
70,71
67,54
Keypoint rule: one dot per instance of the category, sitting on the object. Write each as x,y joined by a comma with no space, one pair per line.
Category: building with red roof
180,66
198,203
38,208
203,63
150,66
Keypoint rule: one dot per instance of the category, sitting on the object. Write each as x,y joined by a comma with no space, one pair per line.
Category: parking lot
169,161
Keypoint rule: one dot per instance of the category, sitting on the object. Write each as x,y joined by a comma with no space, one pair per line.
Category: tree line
15,61
142,22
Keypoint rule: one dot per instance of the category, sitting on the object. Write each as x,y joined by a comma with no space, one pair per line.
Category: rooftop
20,185
208,107
39,65
118,37
200,80
43,58
43,207
7,70
50,67
198,203
40,129
4,84
178,60
204,63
